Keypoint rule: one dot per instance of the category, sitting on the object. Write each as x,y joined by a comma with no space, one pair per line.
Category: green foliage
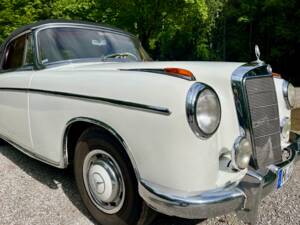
168,29
272,24
182,29
16,13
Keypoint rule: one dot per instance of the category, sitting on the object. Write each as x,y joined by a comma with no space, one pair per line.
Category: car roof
53,22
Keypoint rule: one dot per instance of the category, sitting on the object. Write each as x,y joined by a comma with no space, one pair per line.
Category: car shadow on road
167,220
56,178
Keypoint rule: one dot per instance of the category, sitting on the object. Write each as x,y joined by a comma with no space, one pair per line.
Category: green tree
272,24
169,29
16,13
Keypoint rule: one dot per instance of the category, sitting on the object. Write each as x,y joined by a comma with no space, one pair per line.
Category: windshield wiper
120,55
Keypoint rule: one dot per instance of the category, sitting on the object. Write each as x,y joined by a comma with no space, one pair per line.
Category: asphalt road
32,193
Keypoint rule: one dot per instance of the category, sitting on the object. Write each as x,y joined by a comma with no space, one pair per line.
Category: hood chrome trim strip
160,71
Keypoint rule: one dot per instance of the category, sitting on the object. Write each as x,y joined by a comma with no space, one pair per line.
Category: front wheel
106,180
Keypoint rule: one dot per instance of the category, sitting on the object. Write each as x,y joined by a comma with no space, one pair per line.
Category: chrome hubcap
103,181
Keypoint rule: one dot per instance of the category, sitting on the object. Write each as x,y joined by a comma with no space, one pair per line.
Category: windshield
61,44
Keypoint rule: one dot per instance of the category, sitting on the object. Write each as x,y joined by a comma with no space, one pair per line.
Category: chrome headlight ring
289,94
203,110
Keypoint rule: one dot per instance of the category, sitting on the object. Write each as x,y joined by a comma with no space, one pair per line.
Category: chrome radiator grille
264,120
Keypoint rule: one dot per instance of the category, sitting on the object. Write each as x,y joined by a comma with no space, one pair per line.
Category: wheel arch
74,129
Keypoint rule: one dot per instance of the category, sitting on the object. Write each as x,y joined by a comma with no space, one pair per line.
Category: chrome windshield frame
36,32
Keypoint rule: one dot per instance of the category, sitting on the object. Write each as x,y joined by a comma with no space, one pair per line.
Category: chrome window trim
191,102
238,80
107,128
22,69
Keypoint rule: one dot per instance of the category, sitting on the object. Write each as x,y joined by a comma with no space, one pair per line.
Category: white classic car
189,139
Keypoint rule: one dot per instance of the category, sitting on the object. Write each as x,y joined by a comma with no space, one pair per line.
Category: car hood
201,70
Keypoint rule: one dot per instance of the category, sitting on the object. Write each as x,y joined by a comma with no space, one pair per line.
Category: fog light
285,125
242,153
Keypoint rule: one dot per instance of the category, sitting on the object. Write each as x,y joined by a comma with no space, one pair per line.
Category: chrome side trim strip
32,154
107,128
126,104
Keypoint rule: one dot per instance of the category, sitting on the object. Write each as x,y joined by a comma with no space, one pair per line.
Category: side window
28,53
18,53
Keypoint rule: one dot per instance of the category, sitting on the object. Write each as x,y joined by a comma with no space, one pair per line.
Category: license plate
284,175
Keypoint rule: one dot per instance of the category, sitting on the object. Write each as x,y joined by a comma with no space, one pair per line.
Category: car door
15,75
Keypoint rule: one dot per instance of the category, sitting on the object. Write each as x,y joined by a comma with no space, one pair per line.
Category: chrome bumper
243,197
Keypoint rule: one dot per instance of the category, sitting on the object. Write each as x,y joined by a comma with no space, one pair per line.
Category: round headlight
242,153
208,111
289,94
203,110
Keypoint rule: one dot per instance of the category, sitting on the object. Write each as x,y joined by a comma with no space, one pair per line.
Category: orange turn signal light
180,72
277,75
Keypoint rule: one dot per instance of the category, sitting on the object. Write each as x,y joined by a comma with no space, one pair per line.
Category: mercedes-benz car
187,139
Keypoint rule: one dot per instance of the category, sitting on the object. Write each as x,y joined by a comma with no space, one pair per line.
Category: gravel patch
32,193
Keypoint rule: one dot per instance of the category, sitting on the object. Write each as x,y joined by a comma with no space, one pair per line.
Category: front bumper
243,197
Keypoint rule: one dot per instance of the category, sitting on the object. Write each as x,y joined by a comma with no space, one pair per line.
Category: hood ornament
257,54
